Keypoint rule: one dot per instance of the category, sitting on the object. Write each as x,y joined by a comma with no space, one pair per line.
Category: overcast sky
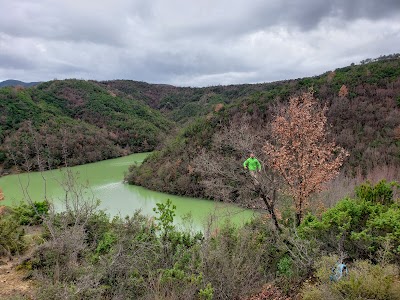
191,42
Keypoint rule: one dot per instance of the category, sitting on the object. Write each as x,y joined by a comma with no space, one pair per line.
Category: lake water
104,181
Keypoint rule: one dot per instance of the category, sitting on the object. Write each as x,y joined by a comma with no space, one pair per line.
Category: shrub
165,216
362,227
206,293
32,214
233,262
382,192
364,281
105,245
62,258
82,289
11,235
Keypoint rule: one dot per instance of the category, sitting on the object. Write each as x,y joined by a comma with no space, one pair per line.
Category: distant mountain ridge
13,82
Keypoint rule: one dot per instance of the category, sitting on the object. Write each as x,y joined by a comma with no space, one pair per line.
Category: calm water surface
103,181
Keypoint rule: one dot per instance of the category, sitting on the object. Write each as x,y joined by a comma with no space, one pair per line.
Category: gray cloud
191,42
10,61
61,20
308,14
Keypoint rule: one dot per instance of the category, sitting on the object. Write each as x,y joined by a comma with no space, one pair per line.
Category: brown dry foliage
302,153
343,92
218,107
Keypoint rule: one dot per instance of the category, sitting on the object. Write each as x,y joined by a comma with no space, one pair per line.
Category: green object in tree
252,164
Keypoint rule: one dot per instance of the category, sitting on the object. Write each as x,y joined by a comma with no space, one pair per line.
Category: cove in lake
104,181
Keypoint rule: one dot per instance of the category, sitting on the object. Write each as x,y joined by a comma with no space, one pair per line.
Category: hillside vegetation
292,251
81,254
182,104
363,107
73,122
84,121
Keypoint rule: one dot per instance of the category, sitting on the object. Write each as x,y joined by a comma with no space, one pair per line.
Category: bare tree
221,167
302,153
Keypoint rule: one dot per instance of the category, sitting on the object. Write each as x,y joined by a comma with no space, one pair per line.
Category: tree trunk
298,218
270,203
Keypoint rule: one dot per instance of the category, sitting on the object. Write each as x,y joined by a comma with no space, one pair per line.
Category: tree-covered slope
133,124
74,121
363,107
182,104
118,117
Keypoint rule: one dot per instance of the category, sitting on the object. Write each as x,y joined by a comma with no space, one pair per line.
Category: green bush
165,216
11,235
285,265
382,192
105,244
31,214
206,293
363,227
364,281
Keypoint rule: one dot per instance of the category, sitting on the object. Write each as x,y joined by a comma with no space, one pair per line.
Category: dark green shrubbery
11,225
31,214
75,120
11,234
366,232
362,227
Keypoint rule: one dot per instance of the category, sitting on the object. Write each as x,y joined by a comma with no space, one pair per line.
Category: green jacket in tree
252,163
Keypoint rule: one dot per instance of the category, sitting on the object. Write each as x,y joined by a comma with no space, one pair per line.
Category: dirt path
12,282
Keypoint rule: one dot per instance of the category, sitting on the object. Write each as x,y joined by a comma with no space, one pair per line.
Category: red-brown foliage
302,153
343,92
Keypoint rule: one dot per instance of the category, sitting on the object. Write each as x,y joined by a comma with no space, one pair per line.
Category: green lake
104,181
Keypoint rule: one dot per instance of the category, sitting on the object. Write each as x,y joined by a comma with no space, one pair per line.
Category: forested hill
73,122
78,121
182,104
363,107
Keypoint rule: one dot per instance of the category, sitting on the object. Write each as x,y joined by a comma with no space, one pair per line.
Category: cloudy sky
191,42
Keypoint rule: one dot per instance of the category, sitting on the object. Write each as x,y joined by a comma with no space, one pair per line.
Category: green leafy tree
165,216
